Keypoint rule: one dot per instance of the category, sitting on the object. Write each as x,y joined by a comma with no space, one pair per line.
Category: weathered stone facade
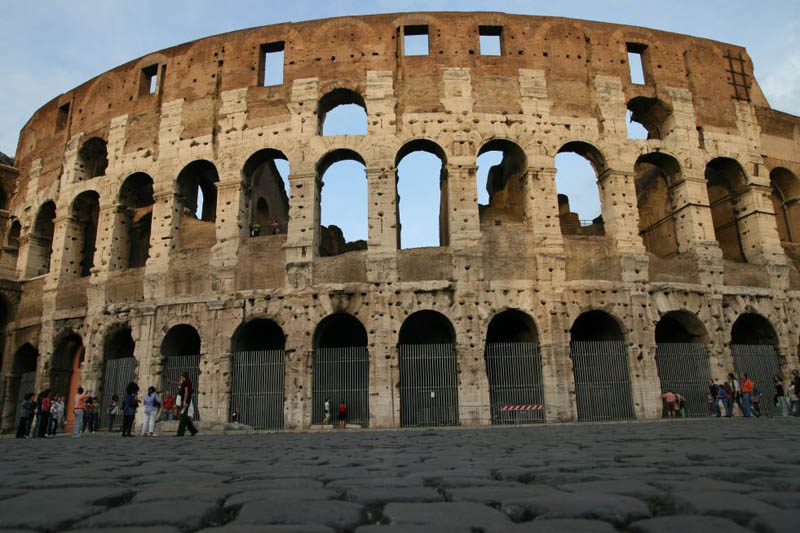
665,244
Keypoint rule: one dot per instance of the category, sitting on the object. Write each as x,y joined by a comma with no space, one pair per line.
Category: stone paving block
449,514
413,528
499,493
154,529
281,496
28,510
614,508
685,523
565,525
182,492
736,507
233,527
702,484
375,495
784,521
782,500
185,514
336,514
626,487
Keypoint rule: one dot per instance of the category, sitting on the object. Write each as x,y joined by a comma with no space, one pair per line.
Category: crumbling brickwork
701,218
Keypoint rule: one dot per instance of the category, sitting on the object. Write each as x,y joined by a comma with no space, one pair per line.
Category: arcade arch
196,204
578,165
180,352
119,368
266,175
754,345
786,202
81,236
92,159
342,112
725,181
135,220
654,174
40,241
421,195
501,167
343,203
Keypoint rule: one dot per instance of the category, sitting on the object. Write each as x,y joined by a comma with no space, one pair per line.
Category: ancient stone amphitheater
137,226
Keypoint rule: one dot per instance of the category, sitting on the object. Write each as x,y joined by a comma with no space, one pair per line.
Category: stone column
757,228
163,240
229,229
62,252
383,368
382,243
541,209
694,227
302,240
558,378
463,222
620,212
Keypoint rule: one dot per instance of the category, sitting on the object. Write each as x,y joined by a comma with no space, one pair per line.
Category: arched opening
514,369
647,118
65,372
180,352
81,235
11,248
119,369
266,177
135,220
754,349
340,369
342,112
682,360
428,371
655,172
725,180
786,202
600,365
501,167
343,203
257,374
421,195
23,376
196,207
92,159
578,165
41,241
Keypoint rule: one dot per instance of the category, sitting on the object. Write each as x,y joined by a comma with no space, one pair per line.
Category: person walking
43,423
680,405
25,411
129,404
343,415
185,403
152,403
112,410
168,406
669,398
747,393
722,394
780,396
736,390
755,402
79,403
729,388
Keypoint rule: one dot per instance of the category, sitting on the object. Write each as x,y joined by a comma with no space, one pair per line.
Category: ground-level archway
428,371
514,369
65,372
119,369
180,352
600,365
340,370
257,374
753,347
682,360
22,378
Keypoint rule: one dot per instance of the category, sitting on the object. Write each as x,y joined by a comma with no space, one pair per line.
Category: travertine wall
558,85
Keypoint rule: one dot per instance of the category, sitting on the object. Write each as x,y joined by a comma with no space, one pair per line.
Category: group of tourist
44,416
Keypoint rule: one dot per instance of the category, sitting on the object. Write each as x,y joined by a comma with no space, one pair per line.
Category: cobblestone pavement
682,476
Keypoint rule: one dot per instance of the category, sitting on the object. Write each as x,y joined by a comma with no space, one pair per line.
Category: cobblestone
644,477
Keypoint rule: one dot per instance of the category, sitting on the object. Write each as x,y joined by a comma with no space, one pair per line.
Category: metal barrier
27,383
684,369
760,363
428,385
117,373
2,396
257,379
602,380
341,374
514,370
176,365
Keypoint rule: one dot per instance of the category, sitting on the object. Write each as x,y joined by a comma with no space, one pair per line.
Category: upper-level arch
343,181
654,174
342,111
134,220
40,240
196,204
265,176
502,181
786,202
725,181
92,159
579,205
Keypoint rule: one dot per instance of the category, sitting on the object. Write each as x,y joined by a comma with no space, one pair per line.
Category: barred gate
341,374
428,385
514,370
27,383
2,396
760,363
117,373
683,368
257,388
602,380
176,365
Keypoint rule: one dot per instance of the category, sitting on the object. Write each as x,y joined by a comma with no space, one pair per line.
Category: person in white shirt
152,403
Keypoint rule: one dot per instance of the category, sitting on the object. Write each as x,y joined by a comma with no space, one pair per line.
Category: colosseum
146,230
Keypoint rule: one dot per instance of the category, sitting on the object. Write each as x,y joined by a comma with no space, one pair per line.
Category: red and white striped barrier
522,407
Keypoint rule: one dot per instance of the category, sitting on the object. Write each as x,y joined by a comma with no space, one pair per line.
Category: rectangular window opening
415,40
490,40
271,71
149,82
635,52
62,117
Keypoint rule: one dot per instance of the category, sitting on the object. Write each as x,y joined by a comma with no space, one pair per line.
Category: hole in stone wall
39,249
635,129
490,40
149,80
647,118
135,217
271,64
342,112
415,40
501,167
635,64
266,175
92,159
62,117
343,203
579,207
421,195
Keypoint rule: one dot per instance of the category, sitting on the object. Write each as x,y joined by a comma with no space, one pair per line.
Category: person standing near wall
169,405
747,393
56,414
186,405
43,423
113,411
129,405
80,404
26,407
152,402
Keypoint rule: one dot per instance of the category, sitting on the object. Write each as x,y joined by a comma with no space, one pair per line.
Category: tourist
168,406
747,394
185,404
90,414
26,407
43,423
713,402
112,410
669,398
152,403
722,394
794,407
780,396
737,392
276,228
56,414
729,389
129,404
343,415
326,409
755,402
680,405
80,404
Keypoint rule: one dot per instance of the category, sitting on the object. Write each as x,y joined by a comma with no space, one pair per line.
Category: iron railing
684,369
514,370
174,366
257,379
117,373
341,375
760,363
428,385
602,380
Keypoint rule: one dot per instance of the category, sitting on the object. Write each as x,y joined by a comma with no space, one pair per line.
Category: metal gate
514,370
27,383
257,388
173,368
684,369
602,380
341,375
428,385
760,363
2,397
117,373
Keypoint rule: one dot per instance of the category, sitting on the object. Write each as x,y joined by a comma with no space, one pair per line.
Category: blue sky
52,46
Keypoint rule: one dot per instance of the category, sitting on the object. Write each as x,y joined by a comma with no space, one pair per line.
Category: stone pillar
694,227
111,243
463,222
229,229
620,211
557,375
302,240
383,368
297,381
541,209
62,254
757,228
382,243
473,381
163,240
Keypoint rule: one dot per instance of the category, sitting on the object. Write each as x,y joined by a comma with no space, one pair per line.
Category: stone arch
725,181
40,240
119,368
336,100
266,199
570,222
21,378
181,351
414,205
92,159
134,219
332,240
10,254
65,368
196,204
504,182
258,334
81,235
651,113
786,202
654,174
754,348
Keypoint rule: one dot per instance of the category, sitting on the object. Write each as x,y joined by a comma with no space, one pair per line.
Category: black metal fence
760,363
117,373
684,369
341,375
174,366
257,379
514,370
428,385
602,380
